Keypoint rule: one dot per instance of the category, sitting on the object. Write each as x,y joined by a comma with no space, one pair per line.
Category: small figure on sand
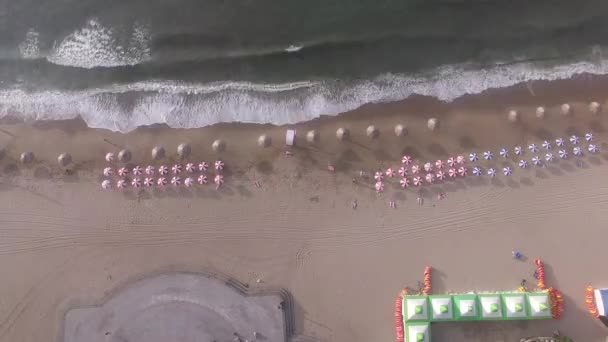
516,255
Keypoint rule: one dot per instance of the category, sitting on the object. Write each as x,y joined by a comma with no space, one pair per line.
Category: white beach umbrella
372,132
549,157
533,148
513,116
477,171
432,124
137,170
184,150
26,157
546,145
460,160
121,184
488,155
428,167
589,137
219,165
563,154
400,130
136,182
504,153
158,152
574,140
540,112
124,156
518,150
342,134
473,157
379,187
491,172
188,182
537,161
64,159
523,164
218,145
577,151
566,109
148,182
106,184
507,171
430,178
593,148
559,142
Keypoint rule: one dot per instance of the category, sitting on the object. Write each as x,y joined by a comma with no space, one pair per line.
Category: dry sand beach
65,242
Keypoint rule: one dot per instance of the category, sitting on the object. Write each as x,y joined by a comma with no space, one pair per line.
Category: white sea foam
196,105
94,45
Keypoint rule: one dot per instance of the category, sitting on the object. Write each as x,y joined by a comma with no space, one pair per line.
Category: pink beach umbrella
402,171
379,176
121,184
428,167
219,165
417,181
163,170
218,180
109,157
150,170
136,183
452,172
137,170
190,168
162,181
188,181
108,171
177,169
440,175
439,164
106,184
404,182
176,181
148,181
203,166
123,172
430,178
460,160
451,162
406,160
202,179
415,169
390,173
462,171
379,187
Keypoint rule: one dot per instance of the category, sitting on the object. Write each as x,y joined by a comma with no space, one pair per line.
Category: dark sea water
191,63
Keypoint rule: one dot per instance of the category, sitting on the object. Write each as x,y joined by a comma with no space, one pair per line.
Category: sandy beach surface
64,241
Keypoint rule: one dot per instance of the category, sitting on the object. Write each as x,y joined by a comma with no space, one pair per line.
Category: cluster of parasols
160,177
431,172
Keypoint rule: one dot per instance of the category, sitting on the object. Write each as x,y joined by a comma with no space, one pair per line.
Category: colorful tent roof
515,306
466,307
491,306
418,332
441,308
415,308
601,301
540,305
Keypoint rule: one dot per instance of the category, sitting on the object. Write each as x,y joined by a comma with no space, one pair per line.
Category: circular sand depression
178,308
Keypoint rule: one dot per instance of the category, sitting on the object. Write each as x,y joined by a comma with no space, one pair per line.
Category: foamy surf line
181,105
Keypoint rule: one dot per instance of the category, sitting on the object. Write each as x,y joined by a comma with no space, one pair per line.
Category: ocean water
191,63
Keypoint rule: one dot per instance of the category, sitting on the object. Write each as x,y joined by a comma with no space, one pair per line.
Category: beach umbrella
452,172
219,165
121,184
109,157
439,164
563,154
184,150
148,181
518,150
379,176
176,181
108,171
123,172
400,130
473,157
163,170
190,168
477,171
264,141
559,142
372,132
491,172
203,166
533,148
432,124
415,169
540,112
342,134
64,159
390,173
379,187
488,155
594,107
592,148
460,160
429,178
26,157
417,181
218,146
589,137
162,181
124,156
177,169
462,171
512,116
428,167
440,175
507,171
574,140
402,171
504,153
549,157
577,151
451,162
188,181
523,164
537,161
312,136
546,145
404,182
150,170
106,184
566,109
202,179
158,152
406,160
137,170
136,182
